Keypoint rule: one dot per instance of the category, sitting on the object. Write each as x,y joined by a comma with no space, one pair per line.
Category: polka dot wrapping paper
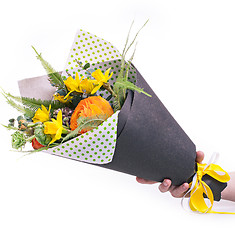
98,145
142,139
90,48
135,140
101,54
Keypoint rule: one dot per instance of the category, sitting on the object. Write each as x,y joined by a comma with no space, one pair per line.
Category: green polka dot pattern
90,48
99,53
96,146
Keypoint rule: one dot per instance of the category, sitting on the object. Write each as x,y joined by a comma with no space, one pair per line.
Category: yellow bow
199,187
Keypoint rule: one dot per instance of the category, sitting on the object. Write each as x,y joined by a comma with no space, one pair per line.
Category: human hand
165,186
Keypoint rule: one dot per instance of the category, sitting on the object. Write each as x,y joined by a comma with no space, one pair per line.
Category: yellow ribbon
199,187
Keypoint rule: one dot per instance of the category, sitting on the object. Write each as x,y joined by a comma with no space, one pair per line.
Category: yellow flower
88,85
100,78
42,115
62,98
54,128
73,85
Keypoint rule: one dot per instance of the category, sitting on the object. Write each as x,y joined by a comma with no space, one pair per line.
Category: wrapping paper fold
143,139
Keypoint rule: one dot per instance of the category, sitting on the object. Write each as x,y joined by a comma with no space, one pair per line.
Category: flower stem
109,89
79,63
65,130
33,124
30,138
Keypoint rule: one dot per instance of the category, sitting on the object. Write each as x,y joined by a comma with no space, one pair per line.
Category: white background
186,53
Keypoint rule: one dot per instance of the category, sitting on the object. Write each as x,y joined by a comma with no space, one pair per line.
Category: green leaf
117,104
120,87
86,66
54,77
86,123
41,137
123,84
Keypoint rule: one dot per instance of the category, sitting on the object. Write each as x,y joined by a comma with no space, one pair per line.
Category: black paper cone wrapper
152,145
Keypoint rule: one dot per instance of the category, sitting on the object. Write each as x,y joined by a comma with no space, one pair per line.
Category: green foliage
120,87
41,137
120,92
18,140
54,77
126,49
122,83
86,66
9,127
28,106
87,123
10,100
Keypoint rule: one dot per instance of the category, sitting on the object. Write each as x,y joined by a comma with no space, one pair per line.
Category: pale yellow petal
59,118
44,108
53,139
50,128
66,97
96,88
58,133
98,75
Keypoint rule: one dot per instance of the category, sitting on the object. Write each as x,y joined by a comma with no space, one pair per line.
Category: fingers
180,191
165,185
176,192
144,181
199,156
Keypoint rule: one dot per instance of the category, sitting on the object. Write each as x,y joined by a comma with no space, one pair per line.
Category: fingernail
165,184
184,187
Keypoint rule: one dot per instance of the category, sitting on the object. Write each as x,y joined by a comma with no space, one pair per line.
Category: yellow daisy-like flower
54,128
42,115
73,85
62,98
100,78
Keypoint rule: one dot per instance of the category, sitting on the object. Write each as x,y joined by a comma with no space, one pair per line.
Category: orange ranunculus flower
89,107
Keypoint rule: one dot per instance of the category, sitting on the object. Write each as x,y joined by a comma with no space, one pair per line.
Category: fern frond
33,103
85,123
28,106
18,107
54,77
9,127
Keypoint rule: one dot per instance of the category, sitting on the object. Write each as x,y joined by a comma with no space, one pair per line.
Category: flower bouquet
100,110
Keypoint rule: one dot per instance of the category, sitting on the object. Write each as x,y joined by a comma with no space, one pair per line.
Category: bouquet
100,110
